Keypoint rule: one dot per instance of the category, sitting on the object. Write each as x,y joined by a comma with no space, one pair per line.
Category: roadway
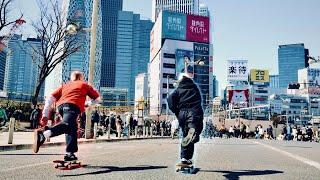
156,159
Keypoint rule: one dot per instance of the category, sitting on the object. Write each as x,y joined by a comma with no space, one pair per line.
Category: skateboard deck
185,168
67,165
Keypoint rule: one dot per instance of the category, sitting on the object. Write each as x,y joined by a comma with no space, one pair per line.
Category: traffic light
294,86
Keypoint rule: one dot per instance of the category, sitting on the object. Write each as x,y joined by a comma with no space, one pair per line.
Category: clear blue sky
243,29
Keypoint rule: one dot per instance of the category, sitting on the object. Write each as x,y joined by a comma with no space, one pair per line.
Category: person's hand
43,121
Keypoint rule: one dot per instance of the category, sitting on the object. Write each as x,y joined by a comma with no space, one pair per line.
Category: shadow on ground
31,154
235,175
108,169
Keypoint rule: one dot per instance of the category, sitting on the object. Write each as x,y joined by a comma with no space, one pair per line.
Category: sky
242,29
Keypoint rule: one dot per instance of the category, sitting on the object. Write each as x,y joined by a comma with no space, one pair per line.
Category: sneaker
190,136
71,157
38,140
185,162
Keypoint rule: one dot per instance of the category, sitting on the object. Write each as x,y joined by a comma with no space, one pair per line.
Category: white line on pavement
294,156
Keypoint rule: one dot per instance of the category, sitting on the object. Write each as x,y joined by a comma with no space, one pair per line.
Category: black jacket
186,96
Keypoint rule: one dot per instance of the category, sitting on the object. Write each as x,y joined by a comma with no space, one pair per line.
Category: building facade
173,39
183,6
3,59
110,14
21,74
141,90
204,10
133,41
291,58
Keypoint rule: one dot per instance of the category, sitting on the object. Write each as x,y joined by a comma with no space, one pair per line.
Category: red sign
198,28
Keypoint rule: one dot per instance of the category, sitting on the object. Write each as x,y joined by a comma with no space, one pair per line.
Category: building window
171,66
165,75
167,55
164,85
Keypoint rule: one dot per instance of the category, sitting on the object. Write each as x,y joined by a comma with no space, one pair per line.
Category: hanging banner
237,70
239,98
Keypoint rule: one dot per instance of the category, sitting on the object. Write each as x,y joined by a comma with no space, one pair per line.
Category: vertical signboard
173,25
183,57
198,29
237,70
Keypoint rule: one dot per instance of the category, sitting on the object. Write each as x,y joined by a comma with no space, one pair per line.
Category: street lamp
74,28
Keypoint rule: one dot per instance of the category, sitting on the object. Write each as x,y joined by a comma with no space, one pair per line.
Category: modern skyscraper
274,81
133,41
79,12
3,56
110,10
291,58
183,6
21,72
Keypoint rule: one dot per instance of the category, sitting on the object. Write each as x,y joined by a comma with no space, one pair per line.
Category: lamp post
73,29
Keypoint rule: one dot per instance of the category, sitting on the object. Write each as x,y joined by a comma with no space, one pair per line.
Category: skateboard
185,168
66,165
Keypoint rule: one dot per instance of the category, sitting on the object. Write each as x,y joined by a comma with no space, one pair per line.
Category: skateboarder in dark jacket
186,103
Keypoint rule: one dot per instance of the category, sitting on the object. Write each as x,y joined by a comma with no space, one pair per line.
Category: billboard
258,75
239,98
201,49
183,56
173,25
237,70
313,77
198,28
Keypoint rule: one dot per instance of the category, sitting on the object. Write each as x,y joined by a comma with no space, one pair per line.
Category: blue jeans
68,126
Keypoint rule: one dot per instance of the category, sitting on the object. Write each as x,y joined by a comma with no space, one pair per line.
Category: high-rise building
3,56
21,74
79,12
291,58
203,10
183,6
274,81
175,37
133,41
110,10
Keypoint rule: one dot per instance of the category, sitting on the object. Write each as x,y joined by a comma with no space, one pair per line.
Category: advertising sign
239,98
173,25
198,28
313,77
237,70
258,75
183,57
201,49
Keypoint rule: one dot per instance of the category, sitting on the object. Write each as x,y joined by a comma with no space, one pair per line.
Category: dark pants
190,119
34,124
68,126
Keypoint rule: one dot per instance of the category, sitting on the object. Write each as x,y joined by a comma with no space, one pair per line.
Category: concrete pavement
156,159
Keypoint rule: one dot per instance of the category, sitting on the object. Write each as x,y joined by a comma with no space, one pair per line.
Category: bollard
136,131
11,130
119,134
144,131
95,127
161,129
108,132
129,131
151,131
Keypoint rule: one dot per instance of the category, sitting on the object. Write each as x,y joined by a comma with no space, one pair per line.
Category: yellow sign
258,75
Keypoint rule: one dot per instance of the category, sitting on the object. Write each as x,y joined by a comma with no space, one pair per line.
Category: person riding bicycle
70,99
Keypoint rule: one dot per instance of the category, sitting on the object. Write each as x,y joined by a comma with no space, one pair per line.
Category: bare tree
56,44
5,18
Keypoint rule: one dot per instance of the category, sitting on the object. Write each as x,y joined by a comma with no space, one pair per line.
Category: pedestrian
35,117
247,131
118,126
231,132
270,132
3,116
174,127
95,118
70,99
186,103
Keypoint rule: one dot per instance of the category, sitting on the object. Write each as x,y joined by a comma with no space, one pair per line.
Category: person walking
186,103
70,99
3,116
